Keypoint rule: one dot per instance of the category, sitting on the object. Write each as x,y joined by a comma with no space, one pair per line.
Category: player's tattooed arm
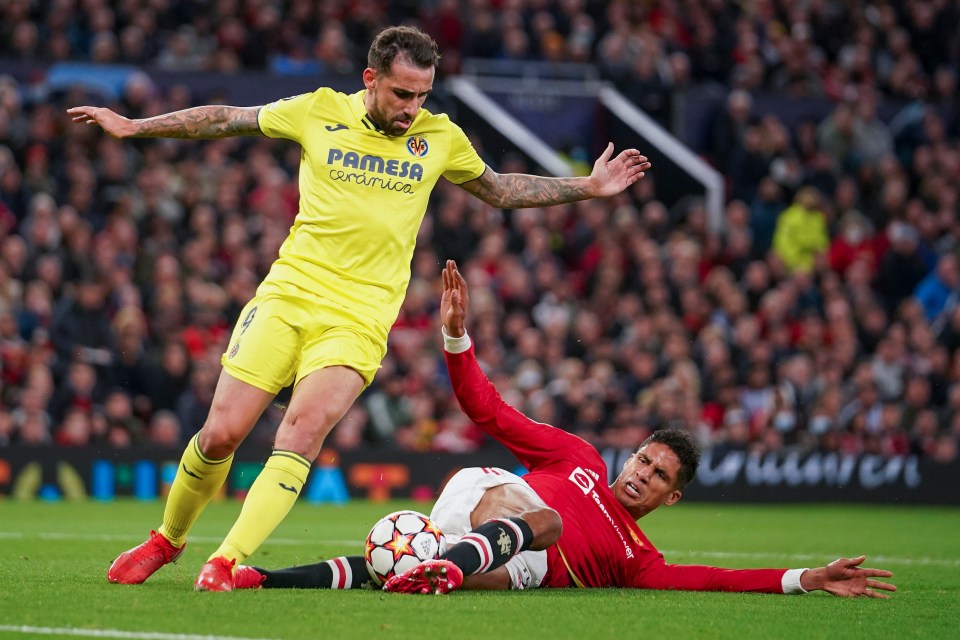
518,190
210,121
610,176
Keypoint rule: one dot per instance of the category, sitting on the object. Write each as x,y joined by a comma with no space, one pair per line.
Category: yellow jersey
363,195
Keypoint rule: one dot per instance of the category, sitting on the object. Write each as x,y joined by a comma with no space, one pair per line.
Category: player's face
393,99
648,480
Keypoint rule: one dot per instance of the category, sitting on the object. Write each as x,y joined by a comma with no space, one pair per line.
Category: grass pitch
54,557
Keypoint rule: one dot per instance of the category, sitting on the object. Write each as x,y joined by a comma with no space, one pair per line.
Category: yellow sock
270,499
198,479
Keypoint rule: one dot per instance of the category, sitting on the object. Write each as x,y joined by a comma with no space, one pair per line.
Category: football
400,541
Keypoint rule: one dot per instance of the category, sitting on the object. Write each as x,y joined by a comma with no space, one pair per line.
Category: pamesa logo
374,171
376,164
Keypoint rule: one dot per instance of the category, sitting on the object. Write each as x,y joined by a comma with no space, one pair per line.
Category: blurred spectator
183,51
902,266
836,138
194,403
79,390
76,430
939,287
166,375
389,410
765,209
852,243
801,238
731,124
456,434
872,140
80,328
123,427
129,343
165,430
33,423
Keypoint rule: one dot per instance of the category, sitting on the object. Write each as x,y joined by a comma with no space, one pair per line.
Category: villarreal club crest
417,146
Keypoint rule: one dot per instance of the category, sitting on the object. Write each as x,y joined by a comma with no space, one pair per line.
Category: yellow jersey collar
360,111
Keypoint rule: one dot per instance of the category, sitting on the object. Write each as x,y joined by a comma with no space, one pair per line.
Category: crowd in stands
823,316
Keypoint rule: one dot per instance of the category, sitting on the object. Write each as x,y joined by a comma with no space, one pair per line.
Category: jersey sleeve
463,163
533,443
285,118
692,577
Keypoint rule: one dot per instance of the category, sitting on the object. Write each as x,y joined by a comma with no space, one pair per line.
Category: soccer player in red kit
600,544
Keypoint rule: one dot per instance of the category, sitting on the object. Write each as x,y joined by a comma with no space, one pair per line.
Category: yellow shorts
279,339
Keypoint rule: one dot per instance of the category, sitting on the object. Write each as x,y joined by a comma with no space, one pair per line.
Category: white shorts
458,500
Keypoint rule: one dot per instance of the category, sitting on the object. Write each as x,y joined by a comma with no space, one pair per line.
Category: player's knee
217,441
225,428
303,432
546,525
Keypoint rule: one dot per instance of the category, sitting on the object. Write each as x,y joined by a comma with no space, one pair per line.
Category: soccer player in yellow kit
320,318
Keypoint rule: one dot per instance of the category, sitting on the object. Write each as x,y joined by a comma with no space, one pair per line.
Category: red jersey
601,544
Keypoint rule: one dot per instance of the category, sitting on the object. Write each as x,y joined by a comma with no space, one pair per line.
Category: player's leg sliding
484,549
198,479
270,499
344,572
490,545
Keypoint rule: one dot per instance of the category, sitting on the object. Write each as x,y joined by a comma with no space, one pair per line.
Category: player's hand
610,177
454,302
113,123
845,577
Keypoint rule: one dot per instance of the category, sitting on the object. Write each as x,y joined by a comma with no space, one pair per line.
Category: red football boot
431,576
247,578
141,562
216,575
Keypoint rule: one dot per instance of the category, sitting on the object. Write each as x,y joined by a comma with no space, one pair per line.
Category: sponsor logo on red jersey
583,481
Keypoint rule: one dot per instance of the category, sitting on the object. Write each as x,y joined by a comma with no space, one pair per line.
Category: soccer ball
400,541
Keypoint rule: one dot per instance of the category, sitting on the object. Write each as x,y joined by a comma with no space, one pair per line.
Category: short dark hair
410,44
682,444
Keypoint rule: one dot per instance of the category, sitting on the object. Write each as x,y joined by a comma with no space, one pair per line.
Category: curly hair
682,444
411,45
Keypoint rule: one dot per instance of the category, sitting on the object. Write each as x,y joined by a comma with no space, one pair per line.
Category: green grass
54,557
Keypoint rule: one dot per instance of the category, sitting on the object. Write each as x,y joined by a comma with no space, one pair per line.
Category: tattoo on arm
519,190
211,121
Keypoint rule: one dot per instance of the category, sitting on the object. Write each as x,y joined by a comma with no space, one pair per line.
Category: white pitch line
111,633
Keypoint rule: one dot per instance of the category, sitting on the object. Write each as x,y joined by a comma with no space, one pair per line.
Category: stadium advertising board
738,476
53,473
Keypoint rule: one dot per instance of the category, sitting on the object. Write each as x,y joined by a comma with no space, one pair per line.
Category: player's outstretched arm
533,443
610,176
845,577
210,121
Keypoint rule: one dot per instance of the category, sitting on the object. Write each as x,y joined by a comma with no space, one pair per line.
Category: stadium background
811,343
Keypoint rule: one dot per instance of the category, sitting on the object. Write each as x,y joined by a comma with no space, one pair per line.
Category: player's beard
389,125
